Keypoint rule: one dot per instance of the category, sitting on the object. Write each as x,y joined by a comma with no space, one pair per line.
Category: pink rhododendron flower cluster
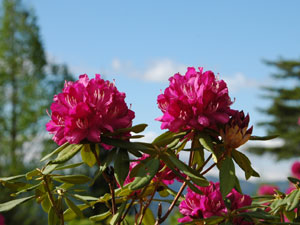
296,169
196,206
194,101
166,176
87,108
267,189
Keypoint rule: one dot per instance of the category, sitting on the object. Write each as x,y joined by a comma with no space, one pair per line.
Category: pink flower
87,108
296,169
2,220
290,189
194,101
267,189
196,206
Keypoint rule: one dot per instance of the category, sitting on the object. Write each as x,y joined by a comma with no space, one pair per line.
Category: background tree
284,111
27,85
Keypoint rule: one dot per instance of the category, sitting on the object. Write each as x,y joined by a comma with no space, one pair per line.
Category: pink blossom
290,189
87,108
194,101
267,189
210,203
296,169
2,220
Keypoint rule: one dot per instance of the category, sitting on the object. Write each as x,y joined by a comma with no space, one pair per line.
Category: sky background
142,43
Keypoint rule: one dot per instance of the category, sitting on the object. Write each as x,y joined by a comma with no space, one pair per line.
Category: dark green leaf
32,174
13,203
72,179
244,163
227,176
294,180
145,174
206,142
70,215
264,138
121,166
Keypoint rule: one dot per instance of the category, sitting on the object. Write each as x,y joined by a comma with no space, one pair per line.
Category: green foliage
284,111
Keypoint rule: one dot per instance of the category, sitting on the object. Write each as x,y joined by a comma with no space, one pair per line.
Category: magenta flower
196,206
296,169
86,109
267,189
2,220
194,101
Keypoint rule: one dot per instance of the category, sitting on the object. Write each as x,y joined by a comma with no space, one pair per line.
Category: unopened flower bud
236,132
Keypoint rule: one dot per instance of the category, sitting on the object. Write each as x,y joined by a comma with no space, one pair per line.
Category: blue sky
142,43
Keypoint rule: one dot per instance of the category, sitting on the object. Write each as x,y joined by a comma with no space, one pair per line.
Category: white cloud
239,81
161,70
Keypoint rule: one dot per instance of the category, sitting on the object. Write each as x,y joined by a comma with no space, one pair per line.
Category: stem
109,181
148,203
127,210
160,220
58,212
214,164
205,162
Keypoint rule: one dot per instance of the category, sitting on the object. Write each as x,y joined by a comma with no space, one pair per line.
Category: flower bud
236,132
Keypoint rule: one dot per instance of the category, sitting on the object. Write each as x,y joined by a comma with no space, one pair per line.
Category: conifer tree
284,112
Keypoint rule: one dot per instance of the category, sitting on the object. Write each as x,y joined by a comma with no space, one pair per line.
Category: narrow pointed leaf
100,217
72,179
56,151
227,176
67,153
114,220
74,208
121,166
145,174
13,203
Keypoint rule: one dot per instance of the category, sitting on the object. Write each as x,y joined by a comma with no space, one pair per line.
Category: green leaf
52,217
263,138
227,176
67,153
13,203
72,179
145,174
121,166
87,155
148,217
49,168
3,179
244,163
56,151
167,138
32,174
293,201
70,215
85,198
74,208
135,129
115,219
70,166
100,217
46,204
214,220
294,180
206,142
193,175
